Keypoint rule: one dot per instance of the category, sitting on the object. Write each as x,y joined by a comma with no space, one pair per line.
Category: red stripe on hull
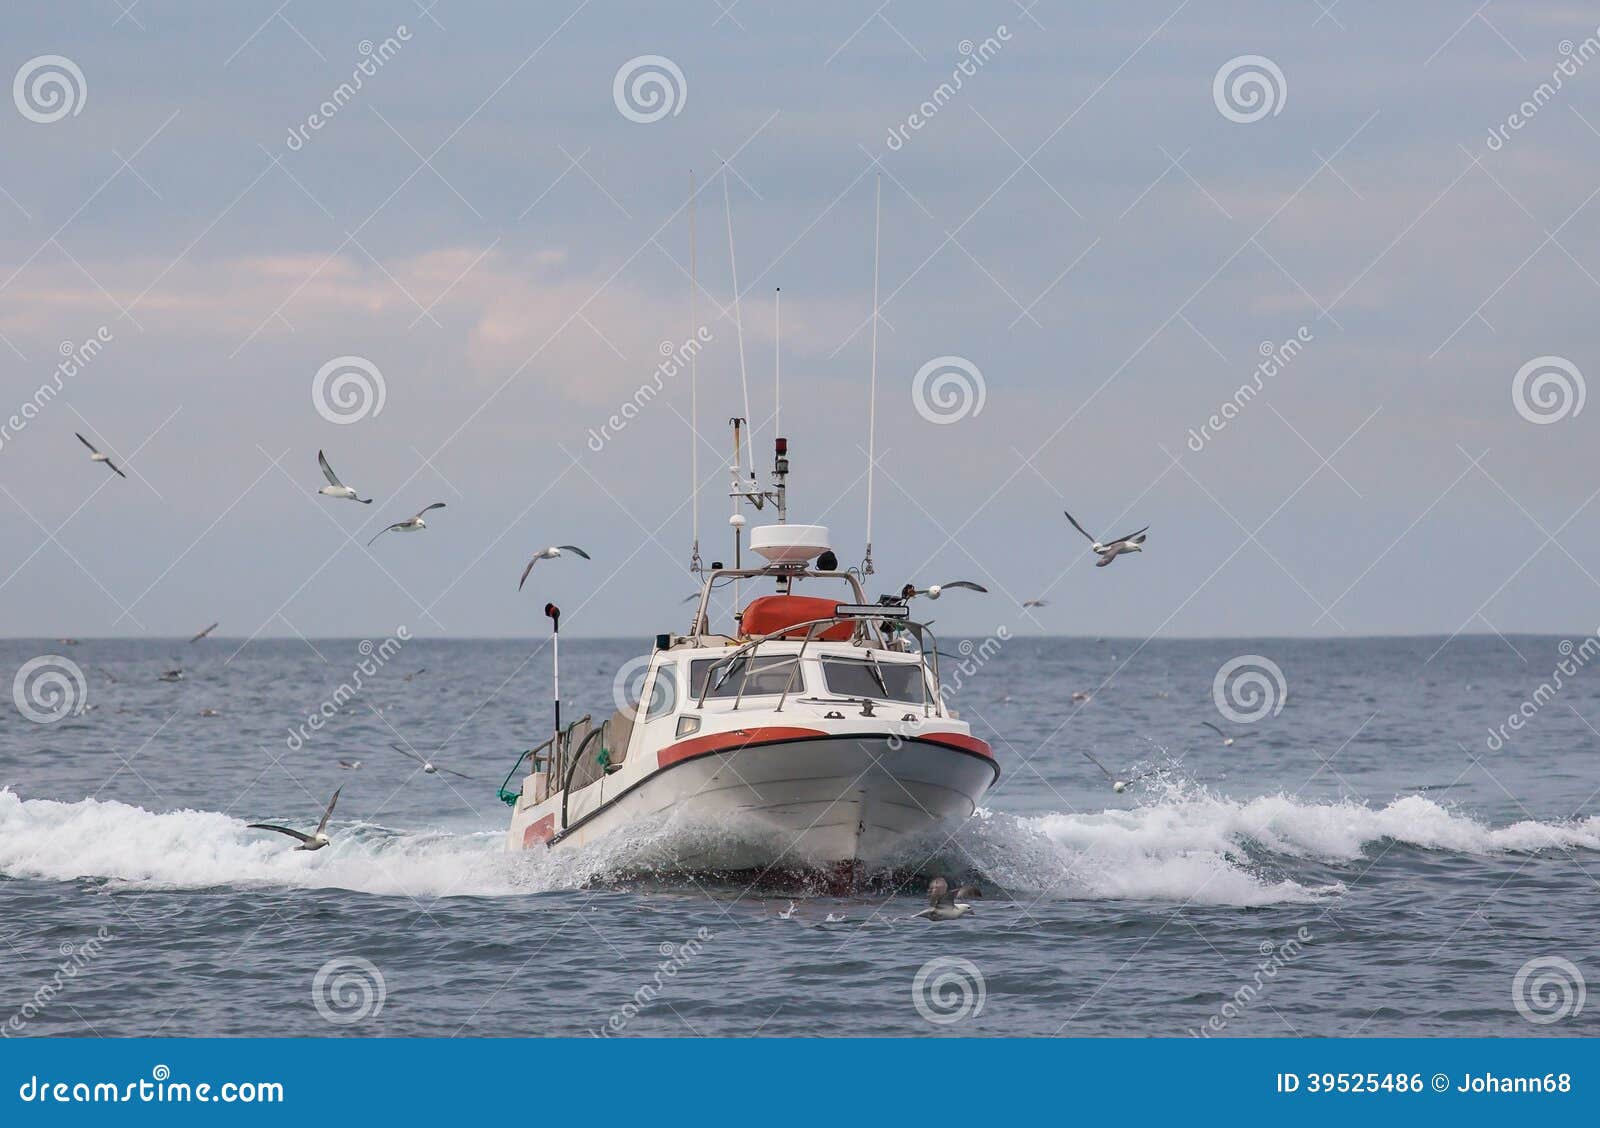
724,741
957,740
542,831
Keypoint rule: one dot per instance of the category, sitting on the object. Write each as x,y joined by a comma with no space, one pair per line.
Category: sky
1097,221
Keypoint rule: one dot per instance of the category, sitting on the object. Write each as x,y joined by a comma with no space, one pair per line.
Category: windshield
850,677
768,674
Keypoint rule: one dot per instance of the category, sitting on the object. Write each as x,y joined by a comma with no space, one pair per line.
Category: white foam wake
1184,844
1191,845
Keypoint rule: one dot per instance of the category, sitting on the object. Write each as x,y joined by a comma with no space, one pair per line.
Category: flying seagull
1036,603
428,767
550,553
1227,741
410,524
314,841
932,591
944,905
336,488
96,456
203,633
1117,785
1109,551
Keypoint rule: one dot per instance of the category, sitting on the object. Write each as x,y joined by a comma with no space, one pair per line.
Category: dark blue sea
1379,852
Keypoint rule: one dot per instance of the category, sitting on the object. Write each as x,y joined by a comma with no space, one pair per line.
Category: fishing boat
810,730
812,727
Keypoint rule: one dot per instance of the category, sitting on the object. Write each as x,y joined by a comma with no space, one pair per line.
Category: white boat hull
789,802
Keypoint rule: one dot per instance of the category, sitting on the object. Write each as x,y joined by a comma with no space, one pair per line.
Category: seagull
1080,695
932,591
787,914
336,488
1109,551
550,553
170,676
1036,603
203,633
350,765
943,905
1227,741
1117,785
96,456
314,841
424,670
410,524
834,918
210,713
428,767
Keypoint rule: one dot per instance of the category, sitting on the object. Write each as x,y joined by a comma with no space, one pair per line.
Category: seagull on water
170,676
336,488
96,456
203,633
314,841
944,905
1117,784
1112,549
410,524
428,767
349,765
1227,741
787,914
550,553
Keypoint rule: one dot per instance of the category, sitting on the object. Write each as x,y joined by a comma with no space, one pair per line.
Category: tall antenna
738,320
872,403
777,358
694,392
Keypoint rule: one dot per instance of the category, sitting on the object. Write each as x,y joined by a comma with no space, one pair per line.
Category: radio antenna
694,393
738,320
777,358
872,401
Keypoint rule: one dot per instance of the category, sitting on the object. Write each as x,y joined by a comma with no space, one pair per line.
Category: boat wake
1180,843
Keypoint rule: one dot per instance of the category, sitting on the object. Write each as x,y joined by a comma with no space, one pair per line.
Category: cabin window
767,675
849,677
663,693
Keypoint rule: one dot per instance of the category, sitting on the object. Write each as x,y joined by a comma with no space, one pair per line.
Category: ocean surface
1371,856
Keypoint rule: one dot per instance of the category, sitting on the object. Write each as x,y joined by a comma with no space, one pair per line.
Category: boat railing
813,628
552,752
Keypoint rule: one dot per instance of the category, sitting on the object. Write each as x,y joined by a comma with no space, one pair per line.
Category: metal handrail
577,758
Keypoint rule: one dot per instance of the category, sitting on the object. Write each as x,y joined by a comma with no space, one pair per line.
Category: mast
694,394
872,402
